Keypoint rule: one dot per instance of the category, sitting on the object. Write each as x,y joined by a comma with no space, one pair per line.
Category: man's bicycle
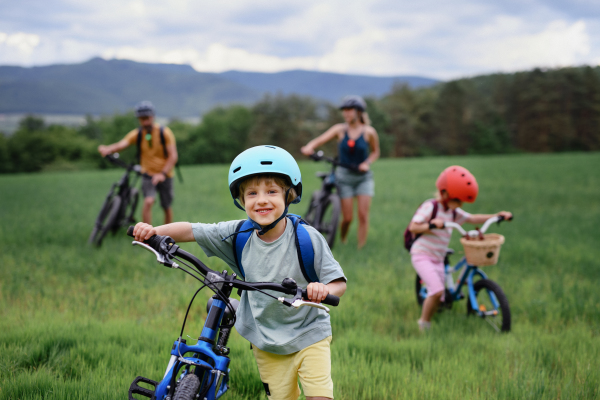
201,370
120,203
485,298
325,205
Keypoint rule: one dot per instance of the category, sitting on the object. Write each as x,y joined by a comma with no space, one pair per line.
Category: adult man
158,156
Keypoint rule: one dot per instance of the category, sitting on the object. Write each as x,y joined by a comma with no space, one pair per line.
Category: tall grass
78,322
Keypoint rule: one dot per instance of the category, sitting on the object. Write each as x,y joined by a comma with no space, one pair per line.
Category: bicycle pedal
136,389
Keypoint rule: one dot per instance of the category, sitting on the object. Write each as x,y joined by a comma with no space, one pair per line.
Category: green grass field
81,323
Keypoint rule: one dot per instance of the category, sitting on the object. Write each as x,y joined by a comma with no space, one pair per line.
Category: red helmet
459,183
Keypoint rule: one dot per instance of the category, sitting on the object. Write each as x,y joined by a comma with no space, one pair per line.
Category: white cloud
23,42
558,44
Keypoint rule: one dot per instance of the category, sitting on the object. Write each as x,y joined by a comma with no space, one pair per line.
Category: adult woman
358,145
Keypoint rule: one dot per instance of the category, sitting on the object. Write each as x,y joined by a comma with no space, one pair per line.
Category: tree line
534,111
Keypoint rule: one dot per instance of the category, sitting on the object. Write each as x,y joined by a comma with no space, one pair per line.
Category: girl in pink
455,185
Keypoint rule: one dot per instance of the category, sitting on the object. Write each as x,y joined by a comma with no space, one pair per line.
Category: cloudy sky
432,38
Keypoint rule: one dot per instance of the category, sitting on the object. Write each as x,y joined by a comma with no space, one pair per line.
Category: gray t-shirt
262,320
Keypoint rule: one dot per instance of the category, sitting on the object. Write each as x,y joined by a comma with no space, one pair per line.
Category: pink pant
431,272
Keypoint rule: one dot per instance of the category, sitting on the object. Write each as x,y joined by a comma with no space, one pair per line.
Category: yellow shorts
280,373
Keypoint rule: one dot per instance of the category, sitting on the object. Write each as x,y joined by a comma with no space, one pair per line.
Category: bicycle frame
470,272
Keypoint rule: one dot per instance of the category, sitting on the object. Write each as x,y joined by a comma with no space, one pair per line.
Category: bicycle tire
330,216
109,220
493,287
310,215
134,196
100,218
187,388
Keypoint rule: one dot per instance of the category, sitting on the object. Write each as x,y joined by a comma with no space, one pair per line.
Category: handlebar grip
153,242
330,300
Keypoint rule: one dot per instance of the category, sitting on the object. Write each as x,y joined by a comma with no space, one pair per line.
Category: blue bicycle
201,370
485,298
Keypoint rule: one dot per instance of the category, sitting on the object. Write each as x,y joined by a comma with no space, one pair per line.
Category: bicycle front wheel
107,220
330,216
311,214
104,210
131,206
187,388
492,302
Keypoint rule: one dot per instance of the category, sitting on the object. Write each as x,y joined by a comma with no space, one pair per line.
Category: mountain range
100,87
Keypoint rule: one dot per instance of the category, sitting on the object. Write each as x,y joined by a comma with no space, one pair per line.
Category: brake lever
297,301
159,257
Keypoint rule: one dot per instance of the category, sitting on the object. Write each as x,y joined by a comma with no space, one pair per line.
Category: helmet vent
237,169
271,147
468,183
266,162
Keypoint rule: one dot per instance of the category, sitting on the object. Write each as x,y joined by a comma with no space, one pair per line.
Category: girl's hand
316,292
364,167
438,222
143,231
307,150
506,214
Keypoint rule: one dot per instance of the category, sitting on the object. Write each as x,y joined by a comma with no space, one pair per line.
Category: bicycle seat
322,174
449,251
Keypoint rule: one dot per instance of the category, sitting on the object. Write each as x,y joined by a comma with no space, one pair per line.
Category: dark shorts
165,190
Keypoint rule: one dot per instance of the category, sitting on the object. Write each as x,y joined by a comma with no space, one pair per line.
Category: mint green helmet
264,160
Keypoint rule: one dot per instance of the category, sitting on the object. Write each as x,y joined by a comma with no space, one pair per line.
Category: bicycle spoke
492,324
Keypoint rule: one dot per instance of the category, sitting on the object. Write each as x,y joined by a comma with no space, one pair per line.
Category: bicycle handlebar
320,156
114,158
477,232
165,249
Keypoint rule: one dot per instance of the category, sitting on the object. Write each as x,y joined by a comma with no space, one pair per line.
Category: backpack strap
163,141
435,209
239,241
304,247
306,252
139,145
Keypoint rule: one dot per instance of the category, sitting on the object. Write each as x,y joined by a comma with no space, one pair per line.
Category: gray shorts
351,184
165,190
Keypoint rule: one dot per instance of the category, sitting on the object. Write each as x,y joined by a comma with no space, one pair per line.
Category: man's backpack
409,237
306,253
164,146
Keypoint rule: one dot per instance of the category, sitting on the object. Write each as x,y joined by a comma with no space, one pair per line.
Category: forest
554,110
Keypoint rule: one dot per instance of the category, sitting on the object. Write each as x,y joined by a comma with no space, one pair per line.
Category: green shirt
262,320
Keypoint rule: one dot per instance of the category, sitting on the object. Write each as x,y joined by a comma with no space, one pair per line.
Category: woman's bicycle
485,298
325,205
120,203
201,370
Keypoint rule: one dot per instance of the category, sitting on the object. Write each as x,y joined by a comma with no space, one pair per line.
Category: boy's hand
143,231
506,214
316,292
438,222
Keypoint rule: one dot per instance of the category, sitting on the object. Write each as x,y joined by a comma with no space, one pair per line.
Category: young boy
287,343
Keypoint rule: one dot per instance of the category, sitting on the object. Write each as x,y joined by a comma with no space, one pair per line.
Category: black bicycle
325,205
120,204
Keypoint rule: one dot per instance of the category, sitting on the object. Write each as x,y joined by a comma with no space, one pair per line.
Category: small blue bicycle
485,297
201,371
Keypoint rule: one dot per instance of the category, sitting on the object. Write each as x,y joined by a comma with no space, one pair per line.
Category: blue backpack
306,253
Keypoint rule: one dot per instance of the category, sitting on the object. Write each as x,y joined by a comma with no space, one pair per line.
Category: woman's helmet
144,109
264,160
353,101
459,183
